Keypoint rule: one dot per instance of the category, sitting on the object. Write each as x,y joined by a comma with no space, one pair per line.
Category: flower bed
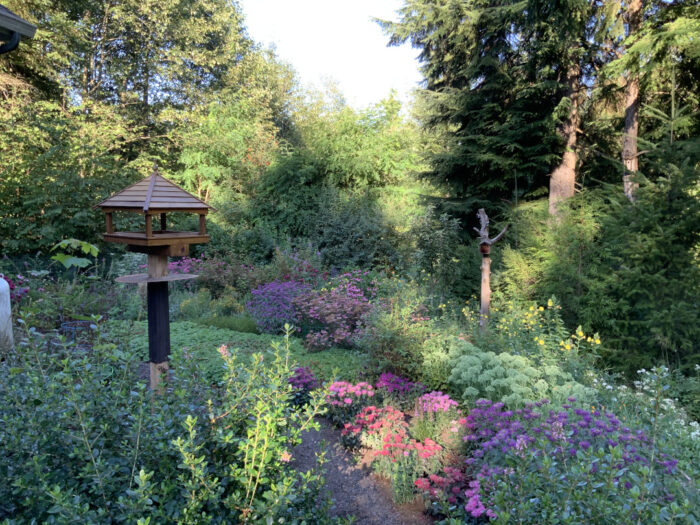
535,464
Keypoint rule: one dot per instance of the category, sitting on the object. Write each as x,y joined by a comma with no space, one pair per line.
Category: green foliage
511,379
70,261
91,444
57,165
200,343
626,270
437,242
237,323
395,334
526,355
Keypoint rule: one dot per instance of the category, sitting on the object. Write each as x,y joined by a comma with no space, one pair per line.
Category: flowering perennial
345,400
272,304
435,402
335,315
303,378
393,384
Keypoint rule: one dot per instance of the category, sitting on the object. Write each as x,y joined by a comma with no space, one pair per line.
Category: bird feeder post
157,196
485,249
158,320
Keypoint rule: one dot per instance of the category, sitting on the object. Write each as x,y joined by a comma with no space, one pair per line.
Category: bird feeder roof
11,23
152,195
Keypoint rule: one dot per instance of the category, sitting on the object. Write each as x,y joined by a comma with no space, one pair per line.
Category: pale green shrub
512,379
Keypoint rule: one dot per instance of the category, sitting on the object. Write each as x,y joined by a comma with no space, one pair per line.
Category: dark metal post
158,320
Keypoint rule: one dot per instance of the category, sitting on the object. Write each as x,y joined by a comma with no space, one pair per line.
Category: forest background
575,122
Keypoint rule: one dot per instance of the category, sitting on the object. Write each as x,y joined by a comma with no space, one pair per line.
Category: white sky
337,40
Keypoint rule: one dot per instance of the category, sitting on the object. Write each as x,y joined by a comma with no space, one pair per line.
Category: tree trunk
629,145
563,179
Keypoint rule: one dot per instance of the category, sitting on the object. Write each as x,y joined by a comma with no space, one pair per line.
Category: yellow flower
567,346
541,341
597,341
550,303
580,333
541,309
532,308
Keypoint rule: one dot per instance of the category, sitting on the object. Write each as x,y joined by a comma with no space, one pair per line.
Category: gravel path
355,490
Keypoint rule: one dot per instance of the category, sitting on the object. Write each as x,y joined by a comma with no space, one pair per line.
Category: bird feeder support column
158,320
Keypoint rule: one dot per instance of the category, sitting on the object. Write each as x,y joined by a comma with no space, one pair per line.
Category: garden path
354,489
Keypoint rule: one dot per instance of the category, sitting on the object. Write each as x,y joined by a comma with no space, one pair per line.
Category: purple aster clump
435,402
303,382
272,304
393,384
574,446
303,379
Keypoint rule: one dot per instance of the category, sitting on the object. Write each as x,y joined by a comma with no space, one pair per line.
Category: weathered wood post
485,249
154,196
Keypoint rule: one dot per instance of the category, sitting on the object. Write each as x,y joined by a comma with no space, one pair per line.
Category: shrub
272,305
336,314
398,391
397,330
84,441
512,379
238,323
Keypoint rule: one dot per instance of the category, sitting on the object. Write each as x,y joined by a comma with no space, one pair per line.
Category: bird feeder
13,29
154,197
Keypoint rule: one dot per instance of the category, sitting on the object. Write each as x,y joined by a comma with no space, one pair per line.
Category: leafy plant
92,440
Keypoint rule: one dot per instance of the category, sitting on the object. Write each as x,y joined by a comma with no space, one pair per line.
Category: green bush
397,329
511,379
84,441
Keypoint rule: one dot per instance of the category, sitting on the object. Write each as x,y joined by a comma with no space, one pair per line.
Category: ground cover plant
199,343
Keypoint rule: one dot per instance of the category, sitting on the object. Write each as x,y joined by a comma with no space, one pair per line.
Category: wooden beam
110,223
149,226
202,224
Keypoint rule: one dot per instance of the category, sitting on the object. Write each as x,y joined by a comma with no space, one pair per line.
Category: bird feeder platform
141,278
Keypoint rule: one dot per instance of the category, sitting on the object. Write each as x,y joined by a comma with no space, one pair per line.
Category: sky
336,40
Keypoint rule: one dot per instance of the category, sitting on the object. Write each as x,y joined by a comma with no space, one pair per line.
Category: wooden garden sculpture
152,197
485,249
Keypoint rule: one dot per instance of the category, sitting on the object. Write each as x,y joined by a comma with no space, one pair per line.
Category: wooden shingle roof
154,194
